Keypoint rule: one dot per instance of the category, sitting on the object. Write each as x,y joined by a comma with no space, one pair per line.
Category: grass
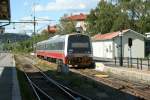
72,80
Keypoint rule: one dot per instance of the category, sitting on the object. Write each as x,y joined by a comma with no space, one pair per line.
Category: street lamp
121,57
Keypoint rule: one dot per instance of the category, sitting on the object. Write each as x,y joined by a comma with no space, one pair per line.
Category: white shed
108,45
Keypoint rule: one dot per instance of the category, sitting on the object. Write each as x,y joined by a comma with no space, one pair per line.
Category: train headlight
89,52
70,51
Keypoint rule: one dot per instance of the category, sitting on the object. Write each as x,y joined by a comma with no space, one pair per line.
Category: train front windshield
79,44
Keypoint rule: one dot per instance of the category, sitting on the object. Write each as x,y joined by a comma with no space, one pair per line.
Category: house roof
108,35
79,17
111,35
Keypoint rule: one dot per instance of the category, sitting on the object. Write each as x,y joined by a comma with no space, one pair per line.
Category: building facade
109,45
79,19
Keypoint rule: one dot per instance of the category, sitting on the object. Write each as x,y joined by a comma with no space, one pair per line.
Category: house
79,19
108,45
52,29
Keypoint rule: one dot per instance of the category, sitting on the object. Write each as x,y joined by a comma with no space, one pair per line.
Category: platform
132,74
9,88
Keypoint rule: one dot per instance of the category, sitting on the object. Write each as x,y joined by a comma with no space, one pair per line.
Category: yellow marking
101,75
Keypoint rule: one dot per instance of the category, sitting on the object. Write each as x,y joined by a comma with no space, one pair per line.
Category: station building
109,45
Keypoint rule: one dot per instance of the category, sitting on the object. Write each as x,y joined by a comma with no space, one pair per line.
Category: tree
66,26
138,13
27,45
91,22
121,22
102,18
124,14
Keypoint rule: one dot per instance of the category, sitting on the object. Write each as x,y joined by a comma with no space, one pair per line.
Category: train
71,49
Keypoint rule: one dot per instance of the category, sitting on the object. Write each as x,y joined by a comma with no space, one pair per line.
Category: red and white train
71,49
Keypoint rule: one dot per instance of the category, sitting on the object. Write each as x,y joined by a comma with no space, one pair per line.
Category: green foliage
107,17
121,21
66,26
102,18
27,45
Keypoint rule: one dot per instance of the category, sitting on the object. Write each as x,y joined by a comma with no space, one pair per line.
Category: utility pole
34,34
34,30
34,26
121,56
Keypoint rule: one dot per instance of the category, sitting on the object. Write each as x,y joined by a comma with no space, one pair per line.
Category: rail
36,89
72,95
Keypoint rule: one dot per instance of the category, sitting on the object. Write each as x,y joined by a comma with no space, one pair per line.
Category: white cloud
38,7
82,5
27,18
61,5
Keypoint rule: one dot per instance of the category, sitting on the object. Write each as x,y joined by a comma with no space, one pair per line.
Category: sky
24,10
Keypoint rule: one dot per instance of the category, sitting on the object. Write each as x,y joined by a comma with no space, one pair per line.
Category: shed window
110,49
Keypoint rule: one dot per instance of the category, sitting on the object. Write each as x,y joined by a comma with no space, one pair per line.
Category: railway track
136,89
122,90
45,88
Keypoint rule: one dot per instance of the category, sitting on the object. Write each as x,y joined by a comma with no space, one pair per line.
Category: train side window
42,47
60,45
49,46
53,46
56,46
46,46
39,47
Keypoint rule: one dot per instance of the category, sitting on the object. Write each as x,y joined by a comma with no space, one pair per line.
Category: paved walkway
111,63
9,88
132,74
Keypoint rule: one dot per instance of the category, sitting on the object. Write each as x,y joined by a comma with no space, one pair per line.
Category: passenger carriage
70,49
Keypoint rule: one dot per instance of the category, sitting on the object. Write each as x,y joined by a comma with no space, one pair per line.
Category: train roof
58,38
74,33
41,42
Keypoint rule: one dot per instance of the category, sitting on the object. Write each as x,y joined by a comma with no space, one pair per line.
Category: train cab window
79,44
